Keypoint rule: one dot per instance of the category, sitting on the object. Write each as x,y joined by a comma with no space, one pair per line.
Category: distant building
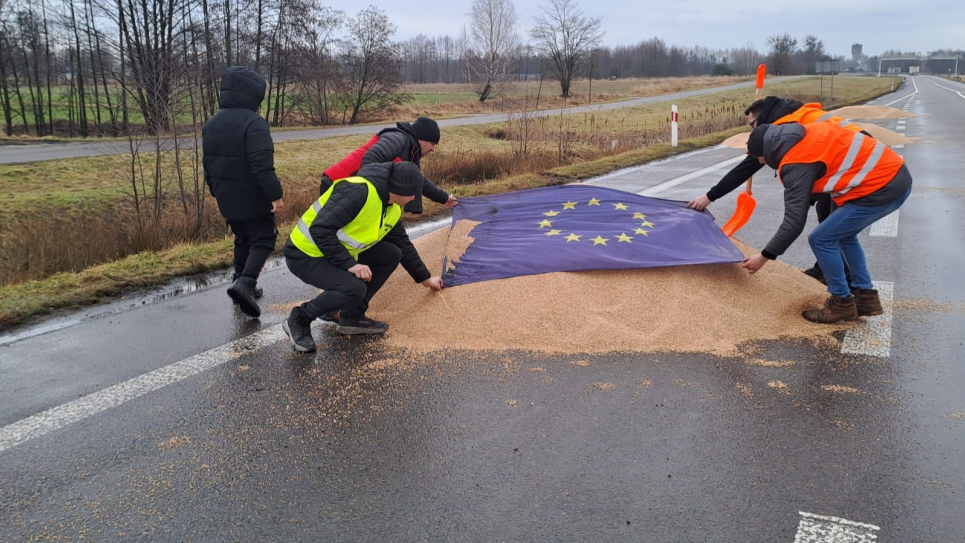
856,52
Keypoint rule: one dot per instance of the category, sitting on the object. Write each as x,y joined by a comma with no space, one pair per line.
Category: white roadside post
673,125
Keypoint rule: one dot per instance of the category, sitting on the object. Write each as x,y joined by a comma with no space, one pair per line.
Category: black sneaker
299,331
242,292
362,325
816,273
258,292
331,316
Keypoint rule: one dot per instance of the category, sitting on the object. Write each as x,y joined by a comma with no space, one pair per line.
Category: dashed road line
873,336
886,226
824,529
58,417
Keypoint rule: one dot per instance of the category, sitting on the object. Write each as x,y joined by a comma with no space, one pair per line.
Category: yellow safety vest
367,228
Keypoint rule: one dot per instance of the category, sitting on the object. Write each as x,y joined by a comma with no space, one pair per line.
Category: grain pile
884,135
869,113
691,308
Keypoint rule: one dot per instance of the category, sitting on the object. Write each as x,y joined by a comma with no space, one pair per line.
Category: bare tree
371,62
567,36
493,40
780,53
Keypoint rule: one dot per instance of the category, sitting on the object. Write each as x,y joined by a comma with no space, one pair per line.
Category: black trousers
254,242
342,290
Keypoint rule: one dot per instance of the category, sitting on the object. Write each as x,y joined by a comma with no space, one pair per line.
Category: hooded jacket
774,109
394,145
239,166
343,205
799,179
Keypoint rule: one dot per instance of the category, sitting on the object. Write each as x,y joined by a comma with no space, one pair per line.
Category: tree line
123,67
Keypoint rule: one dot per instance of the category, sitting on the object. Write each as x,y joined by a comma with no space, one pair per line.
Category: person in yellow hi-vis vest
348,244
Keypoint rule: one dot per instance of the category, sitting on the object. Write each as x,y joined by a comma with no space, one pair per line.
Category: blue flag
581,227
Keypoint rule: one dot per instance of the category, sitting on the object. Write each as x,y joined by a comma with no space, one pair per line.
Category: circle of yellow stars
598,240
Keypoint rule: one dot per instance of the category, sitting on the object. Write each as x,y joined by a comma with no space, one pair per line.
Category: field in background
76,213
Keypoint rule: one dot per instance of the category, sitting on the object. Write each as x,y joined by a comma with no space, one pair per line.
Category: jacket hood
775,108
378,174
242,87
779,139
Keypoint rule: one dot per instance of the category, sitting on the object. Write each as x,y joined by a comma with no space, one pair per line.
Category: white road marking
873,336
690,176
823,529
960,95
899,146
886,226
905,97
57,417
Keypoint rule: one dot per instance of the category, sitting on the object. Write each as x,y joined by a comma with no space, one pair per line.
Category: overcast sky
877,24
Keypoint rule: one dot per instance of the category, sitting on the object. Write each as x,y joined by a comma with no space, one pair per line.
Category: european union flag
581,227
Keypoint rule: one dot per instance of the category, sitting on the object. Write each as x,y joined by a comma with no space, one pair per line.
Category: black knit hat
755,143
405,179
426,129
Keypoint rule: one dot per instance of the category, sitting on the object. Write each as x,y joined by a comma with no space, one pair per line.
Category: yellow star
553,233
569,205
572,237
647,224
624,237
545,223
641,231
619,206
640,216
599,240
555,213
593,202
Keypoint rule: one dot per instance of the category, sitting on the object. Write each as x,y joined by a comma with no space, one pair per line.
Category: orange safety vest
811,113
857,165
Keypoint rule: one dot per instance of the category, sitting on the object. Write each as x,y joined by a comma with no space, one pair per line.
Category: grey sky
877,24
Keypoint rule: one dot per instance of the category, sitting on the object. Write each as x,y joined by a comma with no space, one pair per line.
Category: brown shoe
834,310
867,302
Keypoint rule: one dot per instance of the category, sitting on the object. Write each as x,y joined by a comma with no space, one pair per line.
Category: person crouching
348,244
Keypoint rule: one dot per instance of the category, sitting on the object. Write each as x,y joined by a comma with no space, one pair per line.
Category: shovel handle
749,183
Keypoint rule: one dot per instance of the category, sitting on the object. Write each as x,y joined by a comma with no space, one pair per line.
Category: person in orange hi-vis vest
865,179
775,110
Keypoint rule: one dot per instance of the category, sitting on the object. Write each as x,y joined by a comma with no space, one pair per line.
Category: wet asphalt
360,443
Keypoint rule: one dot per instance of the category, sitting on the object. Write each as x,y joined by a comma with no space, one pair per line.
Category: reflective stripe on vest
811,113
856,165
368,228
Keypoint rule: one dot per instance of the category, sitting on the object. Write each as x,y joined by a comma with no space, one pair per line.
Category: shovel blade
745,208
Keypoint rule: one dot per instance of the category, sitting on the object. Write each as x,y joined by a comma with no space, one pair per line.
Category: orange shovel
745,208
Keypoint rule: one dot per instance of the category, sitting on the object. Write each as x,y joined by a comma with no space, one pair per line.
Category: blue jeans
836,240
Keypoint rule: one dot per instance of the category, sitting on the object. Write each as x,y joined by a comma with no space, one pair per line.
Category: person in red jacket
407,142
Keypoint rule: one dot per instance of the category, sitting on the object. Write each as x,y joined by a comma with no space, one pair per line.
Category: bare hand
361,271
277,206
452,202
754,263
699,203
433,283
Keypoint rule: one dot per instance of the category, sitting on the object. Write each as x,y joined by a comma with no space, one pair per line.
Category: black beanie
427,130
406,179
755,143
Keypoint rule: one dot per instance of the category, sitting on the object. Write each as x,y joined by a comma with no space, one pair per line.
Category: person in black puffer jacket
239,170
348,244
406,142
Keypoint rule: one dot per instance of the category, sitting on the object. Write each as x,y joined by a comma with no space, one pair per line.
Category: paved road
252,442
10,154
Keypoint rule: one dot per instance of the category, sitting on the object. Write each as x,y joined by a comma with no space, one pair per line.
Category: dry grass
447,99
